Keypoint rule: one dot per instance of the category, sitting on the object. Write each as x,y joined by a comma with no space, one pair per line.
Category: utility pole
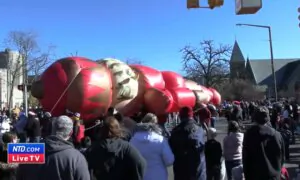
271,53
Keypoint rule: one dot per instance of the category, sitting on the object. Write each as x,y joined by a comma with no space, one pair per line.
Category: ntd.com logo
26,153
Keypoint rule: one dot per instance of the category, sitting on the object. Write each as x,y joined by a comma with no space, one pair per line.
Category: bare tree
208,63
133,61
27,59
240,89
74,54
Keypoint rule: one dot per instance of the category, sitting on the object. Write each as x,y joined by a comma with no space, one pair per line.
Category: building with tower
259,72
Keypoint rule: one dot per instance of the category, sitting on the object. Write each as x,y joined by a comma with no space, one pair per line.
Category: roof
283,68
237,55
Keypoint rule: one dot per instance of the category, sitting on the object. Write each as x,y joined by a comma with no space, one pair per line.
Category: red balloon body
216,98
182,97
148,78
173,80
77,84
208,92
158,101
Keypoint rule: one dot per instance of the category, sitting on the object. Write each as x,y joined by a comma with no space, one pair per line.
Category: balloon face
192,85
173,80
70,83
148,78
158,101
125,83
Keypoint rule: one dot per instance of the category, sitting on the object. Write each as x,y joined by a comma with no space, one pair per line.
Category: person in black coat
213,155
263,149
62,160
33,128
112,158
187,144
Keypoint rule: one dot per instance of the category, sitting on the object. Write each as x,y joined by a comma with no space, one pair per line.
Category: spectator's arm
167,154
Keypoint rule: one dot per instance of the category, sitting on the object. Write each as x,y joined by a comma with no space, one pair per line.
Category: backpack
80,134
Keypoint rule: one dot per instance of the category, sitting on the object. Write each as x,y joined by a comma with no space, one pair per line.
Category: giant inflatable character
90,87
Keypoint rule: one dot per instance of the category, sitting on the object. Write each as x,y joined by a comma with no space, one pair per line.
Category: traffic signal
215,3
192,4
299,15
21,87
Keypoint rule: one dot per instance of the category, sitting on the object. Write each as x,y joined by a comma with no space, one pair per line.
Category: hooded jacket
187,144
155,149
62,162
263,153
115,159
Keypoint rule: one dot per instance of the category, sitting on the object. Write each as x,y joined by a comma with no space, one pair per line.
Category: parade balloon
182,97
173,80
125,83
216,98
192,85
158,101
77,84
148,78
201,97
80,85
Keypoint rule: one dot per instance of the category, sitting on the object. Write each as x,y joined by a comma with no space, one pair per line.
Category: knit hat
262,115
186,112
62,126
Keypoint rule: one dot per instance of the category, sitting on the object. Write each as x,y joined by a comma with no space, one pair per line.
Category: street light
271,52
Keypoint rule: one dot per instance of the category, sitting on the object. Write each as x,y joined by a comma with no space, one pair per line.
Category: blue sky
151,31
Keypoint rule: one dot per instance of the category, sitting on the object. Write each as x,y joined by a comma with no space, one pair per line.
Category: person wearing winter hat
64,162
263,148
187,144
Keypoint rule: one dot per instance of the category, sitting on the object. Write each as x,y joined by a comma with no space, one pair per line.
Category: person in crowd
33,128
187,144
111,111
127,133
19,127
112,158
236,114
85,144
232,147
45,124
213,155
62,160
5,126
263,149
214,114
78,130
204,116
154,147
286,135
7,171
162,119
275,116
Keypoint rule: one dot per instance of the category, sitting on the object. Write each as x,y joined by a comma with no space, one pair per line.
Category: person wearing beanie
63,161
213,155
263,149
187,144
